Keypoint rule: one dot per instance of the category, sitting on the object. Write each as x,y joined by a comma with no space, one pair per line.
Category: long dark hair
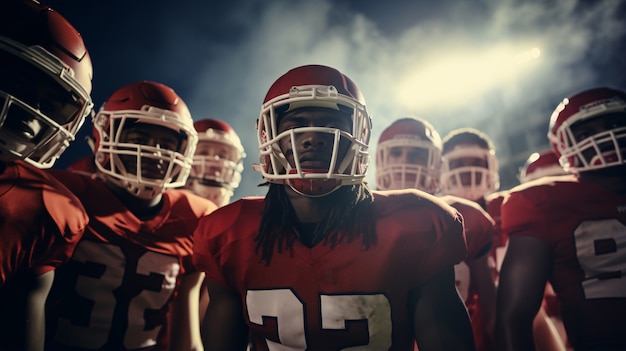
349,214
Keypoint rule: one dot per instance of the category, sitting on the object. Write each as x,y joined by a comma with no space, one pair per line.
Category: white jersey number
601,251
336,310
101,289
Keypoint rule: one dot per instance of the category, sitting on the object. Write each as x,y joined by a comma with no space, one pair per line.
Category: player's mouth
313,160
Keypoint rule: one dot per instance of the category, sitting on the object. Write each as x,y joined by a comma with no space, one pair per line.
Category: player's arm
184,320
35,292
482,280
520,291
223,328
547,337
439,315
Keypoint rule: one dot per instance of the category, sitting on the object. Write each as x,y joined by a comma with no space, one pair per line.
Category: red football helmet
45,83
146,103
580,147
218,161
406,137
469,165
314,86
540,164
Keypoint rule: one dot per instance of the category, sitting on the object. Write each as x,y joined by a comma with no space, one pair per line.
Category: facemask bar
177,164
274,166
48,145
54,137
397,176
601,150
571,151
54,67
223,172
482,180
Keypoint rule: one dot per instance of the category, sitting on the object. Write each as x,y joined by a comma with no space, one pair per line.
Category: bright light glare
454,79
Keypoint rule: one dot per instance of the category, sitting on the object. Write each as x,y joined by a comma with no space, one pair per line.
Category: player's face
313,148
408,155
466,177
214,151
160,139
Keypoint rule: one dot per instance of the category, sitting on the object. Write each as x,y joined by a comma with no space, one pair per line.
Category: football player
570,230
133,266
216,170
45,87
470,171
408,155
217,163
321,262
470,168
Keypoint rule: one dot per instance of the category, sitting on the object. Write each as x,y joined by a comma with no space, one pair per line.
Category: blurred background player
570,231
321,262
217,163
469,165
545,164
408,155
470,171
45,87
216,170
133,268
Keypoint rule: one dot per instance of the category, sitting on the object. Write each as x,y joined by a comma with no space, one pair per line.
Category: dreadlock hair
349,213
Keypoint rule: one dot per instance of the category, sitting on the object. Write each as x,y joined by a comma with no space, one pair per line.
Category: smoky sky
454,63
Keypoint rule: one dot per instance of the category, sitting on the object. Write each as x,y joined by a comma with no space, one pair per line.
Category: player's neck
308,209
144,209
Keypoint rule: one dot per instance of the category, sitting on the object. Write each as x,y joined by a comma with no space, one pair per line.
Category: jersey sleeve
208,241
67,220
479,230
523,213
447,249
436,237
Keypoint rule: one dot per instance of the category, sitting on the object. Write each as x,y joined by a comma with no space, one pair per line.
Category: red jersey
327,299
584,227
114,292
479,232
498,248
40,221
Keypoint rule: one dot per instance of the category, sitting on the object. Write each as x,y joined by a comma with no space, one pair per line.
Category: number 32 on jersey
336,310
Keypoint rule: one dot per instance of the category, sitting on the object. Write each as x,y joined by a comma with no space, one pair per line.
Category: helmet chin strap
314,187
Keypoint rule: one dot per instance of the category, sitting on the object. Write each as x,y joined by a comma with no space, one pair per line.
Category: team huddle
139,246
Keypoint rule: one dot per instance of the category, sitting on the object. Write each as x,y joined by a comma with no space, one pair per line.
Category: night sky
453,63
